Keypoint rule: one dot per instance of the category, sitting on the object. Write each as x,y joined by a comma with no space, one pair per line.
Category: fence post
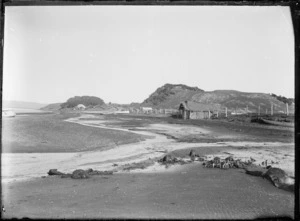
226,111
272,109
287,109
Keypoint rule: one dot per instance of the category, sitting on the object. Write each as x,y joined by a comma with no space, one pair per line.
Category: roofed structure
195,110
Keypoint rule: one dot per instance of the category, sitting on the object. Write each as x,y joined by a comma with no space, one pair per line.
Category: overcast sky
124,53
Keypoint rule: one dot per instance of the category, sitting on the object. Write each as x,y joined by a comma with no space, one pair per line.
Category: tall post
208,114
272,109
226,111
287,109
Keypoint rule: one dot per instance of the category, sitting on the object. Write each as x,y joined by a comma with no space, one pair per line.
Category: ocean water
25,110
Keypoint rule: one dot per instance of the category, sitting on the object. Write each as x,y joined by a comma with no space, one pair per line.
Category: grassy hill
51,107
240,100
170,96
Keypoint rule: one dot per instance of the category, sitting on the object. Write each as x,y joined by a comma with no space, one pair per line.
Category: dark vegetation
169,90
283,99
85,100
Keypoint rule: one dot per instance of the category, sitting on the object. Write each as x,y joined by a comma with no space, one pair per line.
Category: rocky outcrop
78,174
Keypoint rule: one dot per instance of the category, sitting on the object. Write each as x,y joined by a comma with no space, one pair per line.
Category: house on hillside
80,107
195,110
146,110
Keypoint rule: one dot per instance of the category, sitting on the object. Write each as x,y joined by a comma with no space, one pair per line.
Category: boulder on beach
255,170
230,158
279,178
217,160
192,155
167,158
80,174
53,172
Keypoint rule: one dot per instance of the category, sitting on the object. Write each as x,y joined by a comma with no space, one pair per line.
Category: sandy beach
154,191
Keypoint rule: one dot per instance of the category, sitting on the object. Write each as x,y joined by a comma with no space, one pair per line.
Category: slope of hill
170,95
51,107
21,104
240,100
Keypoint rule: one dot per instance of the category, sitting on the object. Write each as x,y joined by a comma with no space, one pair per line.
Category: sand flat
181,191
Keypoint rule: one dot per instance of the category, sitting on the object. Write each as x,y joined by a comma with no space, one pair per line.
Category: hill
21,104
170,96
88,101
51,107
241,100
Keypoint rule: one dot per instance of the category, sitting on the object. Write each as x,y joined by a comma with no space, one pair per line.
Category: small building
195,110
146,110
80,107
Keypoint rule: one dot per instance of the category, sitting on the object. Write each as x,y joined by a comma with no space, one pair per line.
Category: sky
122,54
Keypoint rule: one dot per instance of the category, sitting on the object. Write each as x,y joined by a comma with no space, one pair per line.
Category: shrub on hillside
85,100
284,99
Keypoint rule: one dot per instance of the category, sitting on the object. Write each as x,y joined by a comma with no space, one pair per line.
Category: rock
255,171
90,170
279,178
209,164
192,153
217,160
54,172
201,159
229,158
80,174
226,165
168,159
